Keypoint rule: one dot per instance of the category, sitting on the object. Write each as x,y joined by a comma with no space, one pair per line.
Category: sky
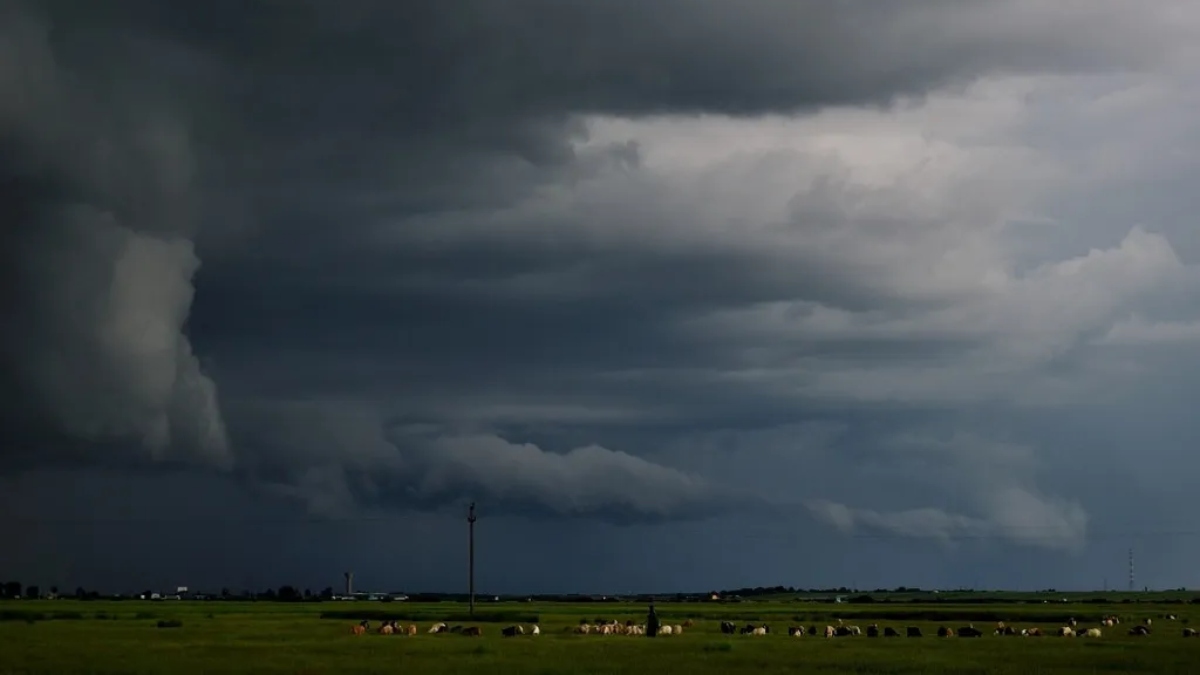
684,294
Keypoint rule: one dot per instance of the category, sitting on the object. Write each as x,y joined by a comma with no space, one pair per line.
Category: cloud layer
921,272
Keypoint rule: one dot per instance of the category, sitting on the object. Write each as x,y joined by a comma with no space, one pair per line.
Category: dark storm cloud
326,200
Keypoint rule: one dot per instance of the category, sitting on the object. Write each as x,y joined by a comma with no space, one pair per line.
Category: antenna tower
1131,586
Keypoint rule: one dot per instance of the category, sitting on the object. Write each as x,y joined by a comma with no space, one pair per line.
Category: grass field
58,636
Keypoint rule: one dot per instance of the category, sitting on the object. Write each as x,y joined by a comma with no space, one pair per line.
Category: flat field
61,637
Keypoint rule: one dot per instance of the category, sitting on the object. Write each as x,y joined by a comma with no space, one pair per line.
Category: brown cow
472,631
359,629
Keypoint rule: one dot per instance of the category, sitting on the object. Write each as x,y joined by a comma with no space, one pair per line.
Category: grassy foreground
63,637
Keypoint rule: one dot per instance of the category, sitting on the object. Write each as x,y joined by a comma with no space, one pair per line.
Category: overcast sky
686,294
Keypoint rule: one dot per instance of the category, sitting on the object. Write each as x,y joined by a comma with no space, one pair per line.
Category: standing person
651,622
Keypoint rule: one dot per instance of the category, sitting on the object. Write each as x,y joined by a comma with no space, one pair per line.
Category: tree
12,589
33,592
225,593
327,594
288,594
80,593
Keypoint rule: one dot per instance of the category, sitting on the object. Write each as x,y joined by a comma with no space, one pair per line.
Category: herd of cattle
840,629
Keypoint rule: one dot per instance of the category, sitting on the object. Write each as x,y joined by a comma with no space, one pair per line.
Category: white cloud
1136,330
996,481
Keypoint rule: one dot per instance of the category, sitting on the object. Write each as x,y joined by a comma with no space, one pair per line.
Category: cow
1189,632
456,629
1033,632
1147,621
437,628
830,631
688,623
843,631
535,630
795,631
1006,630
873,631
945,632
1139,631
1066,631
912,631
812,630
888,631
386,629
728,628
511,631
412,629
969,631
666,629
359,628
1091,632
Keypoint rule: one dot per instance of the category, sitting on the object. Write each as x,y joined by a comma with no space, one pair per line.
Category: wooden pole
471,557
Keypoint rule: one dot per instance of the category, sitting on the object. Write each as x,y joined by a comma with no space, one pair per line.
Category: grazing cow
689,623
969,631
1006,630
1066,631
1091,632
843,631
761,630
677,629
666,629
1107,622
1139,630
472,631
511,631
535,630
359,629
812,630
872,631
1169,617
437,628
1071,622
1189,632
1033,632
728,628
795,631
945,632
456,629
913,631
830,631
1147,621
888,631
412,629
386,629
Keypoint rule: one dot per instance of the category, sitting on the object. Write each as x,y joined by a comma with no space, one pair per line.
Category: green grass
183,638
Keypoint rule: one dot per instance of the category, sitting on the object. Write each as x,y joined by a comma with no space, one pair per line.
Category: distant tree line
288,593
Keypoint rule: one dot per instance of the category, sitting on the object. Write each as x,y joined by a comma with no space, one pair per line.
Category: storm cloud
916,272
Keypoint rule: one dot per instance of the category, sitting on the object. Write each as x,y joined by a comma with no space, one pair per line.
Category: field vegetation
182,637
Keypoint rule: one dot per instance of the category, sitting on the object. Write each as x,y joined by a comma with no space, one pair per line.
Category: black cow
728,628
512,631
888,631
913,631
969,631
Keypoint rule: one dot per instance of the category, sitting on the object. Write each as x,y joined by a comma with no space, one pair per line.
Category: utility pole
471,556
